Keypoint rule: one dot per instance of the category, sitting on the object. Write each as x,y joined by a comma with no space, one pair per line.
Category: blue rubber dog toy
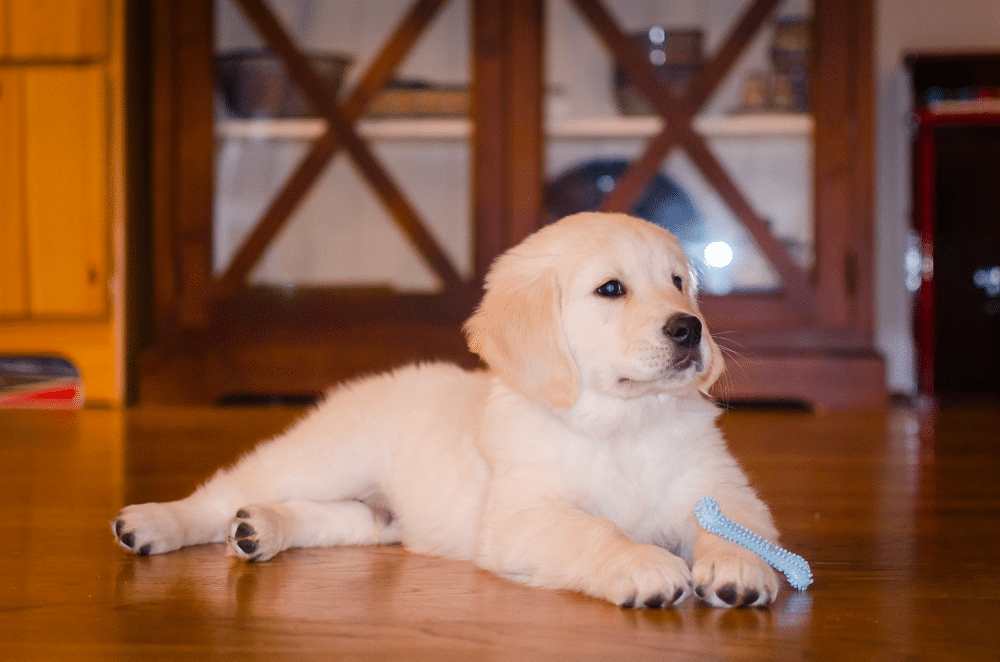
794,566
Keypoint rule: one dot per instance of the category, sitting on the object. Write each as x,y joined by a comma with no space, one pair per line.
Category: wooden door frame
924,195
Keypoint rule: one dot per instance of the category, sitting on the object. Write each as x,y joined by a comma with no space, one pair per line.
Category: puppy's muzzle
684,331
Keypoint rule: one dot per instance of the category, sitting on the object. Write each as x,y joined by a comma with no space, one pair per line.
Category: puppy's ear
518,332
717,365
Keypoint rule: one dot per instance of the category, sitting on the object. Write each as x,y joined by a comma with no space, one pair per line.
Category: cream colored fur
574,462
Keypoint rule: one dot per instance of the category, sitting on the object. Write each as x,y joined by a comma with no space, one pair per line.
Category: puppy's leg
558,546
154,528
725,574
312,461
259,532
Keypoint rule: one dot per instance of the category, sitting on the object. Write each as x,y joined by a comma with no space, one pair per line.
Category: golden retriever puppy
574,462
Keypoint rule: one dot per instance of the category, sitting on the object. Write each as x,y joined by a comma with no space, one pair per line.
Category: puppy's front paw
257,533
646,576
148,528
731,576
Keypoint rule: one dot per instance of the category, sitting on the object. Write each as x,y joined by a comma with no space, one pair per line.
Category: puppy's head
603,302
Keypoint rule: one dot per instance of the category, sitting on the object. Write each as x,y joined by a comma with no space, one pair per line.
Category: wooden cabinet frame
811,340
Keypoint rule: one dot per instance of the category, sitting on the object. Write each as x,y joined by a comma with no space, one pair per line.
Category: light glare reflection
718,254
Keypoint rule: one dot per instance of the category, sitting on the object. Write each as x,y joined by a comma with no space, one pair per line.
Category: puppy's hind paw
256,533
148,528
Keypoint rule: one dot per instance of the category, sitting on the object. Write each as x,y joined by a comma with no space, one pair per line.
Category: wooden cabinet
62,216
13,279
807,338
55,29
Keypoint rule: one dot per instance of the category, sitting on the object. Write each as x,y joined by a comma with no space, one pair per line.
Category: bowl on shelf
255,83
583,187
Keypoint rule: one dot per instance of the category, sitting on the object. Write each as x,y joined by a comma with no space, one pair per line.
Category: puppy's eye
611,289
679,283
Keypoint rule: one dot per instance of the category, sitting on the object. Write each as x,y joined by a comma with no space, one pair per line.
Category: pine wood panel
66,190
4,22
13,280
895,512
57,29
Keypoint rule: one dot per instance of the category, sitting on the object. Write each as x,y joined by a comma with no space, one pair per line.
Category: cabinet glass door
749,152
343,230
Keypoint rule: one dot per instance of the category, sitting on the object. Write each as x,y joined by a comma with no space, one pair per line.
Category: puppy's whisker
739,359
724,388
725,339
736,355
736,360
739,352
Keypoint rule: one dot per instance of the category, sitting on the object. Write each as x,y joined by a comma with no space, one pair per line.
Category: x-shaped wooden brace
340,133
678,115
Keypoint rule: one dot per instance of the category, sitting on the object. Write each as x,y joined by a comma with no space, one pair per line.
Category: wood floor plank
897,514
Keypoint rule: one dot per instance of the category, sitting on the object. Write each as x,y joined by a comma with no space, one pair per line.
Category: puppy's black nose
684,330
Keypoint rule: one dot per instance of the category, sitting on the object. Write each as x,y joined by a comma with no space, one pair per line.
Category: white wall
905,26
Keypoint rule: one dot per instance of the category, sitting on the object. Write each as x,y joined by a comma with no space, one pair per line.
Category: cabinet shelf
312,127
712,126
438,129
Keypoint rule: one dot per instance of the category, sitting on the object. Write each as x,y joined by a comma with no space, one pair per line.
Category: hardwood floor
899,517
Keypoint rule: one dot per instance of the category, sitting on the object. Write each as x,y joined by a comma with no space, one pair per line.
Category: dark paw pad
749,598
242,514
145,549
119,525
677,595
244,530
654,601
128,540
248,546
629,603
727,594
